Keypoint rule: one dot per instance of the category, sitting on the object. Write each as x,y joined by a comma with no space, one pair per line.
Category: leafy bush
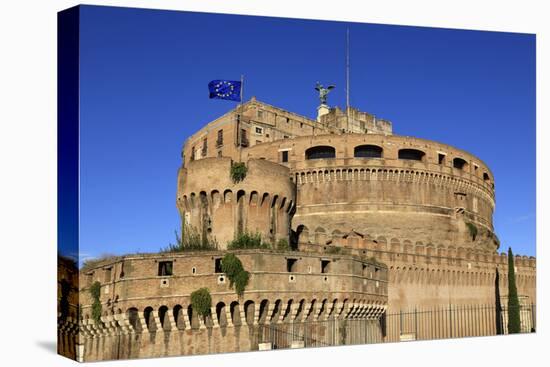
473,230
247,240
190,240
95,293
283,245
238,171
233,268
201,301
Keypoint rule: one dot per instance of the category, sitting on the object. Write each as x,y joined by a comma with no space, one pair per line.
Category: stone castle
376,224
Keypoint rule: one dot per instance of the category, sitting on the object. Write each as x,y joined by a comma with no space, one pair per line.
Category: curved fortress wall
389,186
219,208
426,276
146,314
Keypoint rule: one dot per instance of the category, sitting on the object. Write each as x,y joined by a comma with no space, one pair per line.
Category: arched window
411,154
320,152
459,163
367,151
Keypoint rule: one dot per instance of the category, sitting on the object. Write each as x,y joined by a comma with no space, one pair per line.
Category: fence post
415,325
450,322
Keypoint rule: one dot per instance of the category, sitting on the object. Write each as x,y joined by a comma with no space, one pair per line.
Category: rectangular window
259,130
165,268
285,137
325,266
441,158
288,120
204,147
284,156
193,153
219,142
291,265
218,265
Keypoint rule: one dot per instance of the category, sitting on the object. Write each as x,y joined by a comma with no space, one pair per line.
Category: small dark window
486,176
459,163
288,120
219,142
325,266
192,153
267,135
411,154
441,158
367,151
285,137
218,265
320,152
204,147
284,156
165,268
259,130
291,265
301,125
365,268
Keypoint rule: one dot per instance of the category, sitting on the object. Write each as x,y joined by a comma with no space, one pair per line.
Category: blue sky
144,77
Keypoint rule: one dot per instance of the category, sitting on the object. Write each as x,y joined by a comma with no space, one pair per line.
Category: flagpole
240,112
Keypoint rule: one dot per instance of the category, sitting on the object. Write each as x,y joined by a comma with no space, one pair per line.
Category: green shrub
233,268
201,301
95,292
283,245
238,171
473,230
247,240
190,240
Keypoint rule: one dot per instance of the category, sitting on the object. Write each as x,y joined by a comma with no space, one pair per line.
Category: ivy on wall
233,268
238,171
201,301
95,292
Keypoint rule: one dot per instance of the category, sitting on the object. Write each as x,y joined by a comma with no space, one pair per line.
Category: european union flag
225,89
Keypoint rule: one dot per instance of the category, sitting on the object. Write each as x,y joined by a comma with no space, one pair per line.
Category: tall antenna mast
347,68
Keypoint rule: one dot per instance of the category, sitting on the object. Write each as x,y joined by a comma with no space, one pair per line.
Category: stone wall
219,208
146,314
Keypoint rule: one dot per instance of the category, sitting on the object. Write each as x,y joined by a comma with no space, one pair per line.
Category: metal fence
453,321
